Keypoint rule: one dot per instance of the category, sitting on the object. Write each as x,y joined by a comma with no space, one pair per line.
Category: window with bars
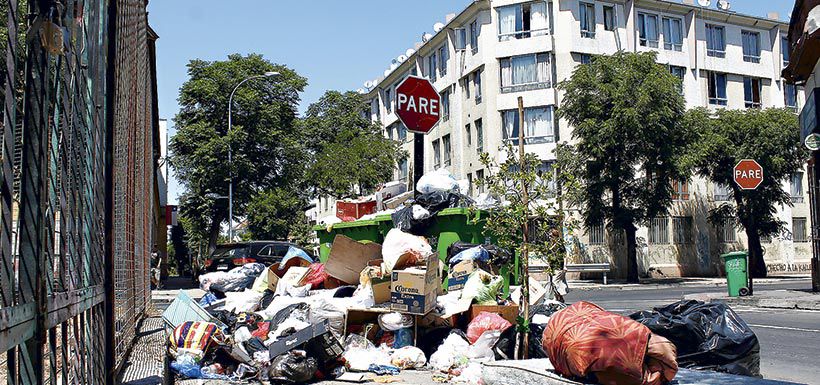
680,190
682,228
726,231
596,234
751,92
799,227
659,231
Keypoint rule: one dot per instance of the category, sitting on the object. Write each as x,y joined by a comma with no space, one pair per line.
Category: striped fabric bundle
195,337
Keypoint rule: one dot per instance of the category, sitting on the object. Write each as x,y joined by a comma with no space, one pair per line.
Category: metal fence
77,187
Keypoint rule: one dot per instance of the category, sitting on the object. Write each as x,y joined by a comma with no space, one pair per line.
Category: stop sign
748,174
418,104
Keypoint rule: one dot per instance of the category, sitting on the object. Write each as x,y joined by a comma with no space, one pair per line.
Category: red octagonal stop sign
418,104
748,174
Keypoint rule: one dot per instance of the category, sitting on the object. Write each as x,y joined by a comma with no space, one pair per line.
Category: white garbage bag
438,180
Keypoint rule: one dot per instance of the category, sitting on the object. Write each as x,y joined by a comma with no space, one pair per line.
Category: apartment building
492,52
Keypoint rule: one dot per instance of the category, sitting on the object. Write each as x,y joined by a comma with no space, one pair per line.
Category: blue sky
335,44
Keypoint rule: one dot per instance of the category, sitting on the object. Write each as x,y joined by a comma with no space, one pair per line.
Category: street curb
655,286
775,303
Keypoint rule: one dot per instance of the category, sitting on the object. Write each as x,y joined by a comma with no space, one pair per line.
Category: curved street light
268,74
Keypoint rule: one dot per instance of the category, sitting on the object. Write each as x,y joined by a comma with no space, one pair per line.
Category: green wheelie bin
361,230
737,273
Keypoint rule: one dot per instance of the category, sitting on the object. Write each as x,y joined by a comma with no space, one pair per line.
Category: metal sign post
418,106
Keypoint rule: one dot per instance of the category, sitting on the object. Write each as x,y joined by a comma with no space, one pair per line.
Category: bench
588,268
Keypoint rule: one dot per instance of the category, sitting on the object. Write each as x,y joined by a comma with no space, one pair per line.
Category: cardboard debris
414,290
458,275
537,293
348,258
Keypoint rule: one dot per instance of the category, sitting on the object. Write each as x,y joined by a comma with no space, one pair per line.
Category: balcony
525,87
515,35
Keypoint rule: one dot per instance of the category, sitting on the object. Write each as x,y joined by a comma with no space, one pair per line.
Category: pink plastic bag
316,275
483,322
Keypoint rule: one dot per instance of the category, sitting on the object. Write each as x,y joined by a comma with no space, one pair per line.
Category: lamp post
230,157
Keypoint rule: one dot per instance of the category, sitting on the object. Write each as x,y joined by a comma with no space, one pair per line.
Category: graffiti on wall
802,267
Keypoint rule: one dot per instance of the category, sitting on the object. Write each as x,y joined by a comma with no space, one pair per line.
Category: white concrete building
495,51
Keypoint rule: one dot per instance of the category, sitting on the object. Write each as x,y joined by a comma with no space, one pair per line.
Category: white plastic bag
322,309
453,352
400,248
395,321
242,301
360,354
242,334
471,374
438,180
482,349
408,357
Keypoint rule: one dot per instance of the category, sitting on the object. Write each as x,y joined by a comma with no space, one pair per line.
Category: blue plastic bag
477,253
207,299
294,252
404,337
383,369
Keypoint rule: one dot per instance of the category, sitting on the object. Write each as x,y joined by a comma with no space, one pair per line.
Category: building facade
492,52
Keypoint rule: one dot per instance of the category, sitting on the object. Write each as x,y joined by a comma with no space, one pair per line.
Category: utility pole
525,263
814,204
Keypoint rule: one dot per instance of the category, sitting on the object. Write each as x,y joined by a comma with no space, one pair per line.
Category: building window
479,177
787,52
799,233
523,20
680,190
469,184
468,135
648,30
790,91
751,46
538,125
584,58
797,187
659,231
682,230
436,154
596,234
717,88
389,131
715,40
448,150
402,132
479,137
474,36
610,22
526,72
432,62
460,43
672,34
546,171
726,231
466,83
443,57
751,92
388,101
680,73
477,86
403,169
722,192
587,19
445,105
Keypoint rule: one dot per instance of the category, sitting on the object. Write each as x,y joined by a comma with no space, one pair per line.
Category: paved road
789,339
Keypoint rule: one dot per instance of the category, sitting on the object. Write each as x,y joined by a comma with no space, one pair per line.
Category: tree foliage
629,144
349,153
772,138
267,151
277,214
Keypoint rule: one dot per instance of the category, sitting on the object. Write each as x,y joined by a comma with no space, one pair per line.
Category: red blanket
586,342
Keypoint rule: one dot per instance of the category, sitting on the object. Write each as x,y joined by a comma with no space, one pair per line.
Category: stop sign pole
418,106
748,174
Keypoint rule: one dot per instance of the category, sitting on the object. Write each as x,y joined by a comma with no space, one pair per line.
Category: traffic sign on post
418,104
748,174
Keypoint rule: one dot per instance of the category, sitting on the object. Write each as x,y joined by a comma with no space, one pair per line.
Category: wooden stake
525,264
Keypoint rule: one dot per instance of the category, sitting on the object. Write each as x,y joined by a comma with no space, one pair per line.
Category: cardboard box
509,312
459,274
355,318
354,209
414,290
294,275
348,258
316,339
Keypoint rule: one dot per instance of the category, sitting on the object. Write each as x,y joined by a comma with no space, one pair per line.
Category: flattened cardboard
348,258
294,275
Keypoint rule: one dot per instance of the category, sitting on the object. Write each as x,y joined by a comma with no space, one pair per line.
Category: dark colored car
231,255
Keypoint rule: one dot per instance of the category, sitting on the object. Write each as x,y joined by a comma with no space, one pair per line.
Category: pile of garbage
370,311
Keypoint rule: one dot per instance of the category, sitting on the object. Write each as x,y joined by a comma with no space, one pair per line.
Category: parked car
231,255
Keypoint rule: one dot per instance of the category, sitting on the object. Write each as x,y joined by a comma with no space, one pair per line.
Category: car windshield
233,251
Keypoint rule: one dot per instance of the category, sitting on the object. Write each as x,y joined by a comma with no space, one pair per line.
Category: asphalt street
789,339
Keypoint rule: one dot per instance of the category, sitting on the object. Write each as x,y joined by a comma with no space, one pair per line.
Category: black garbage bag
498,256
504,348
438,200
708,336
293,367
537,326
344,291
404,220
431,340
267,298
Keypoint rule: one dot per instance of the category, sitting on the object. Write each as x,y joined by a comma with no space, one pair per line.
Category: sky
336,44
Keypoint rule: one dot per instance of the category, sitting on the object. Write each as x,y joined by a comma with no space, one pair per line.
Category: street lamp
268,74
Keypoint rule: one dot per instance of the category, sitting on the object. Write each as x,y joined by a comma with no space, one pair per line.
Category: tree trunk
631,254
757,267
213,231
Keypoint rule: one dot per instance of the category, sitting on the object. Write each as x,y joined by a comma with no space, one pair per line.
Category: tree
267,151
349,152
278,214
629,147
178,250
772,138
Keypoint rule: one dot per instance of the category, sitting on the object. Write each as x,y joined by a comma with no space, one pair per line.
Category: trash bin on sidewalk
737,273
361,230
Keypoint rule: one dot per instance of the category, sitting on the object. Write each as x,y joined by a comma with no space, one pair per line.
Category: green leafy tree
349,153
277,214
772,138
178,248
268,152
629,144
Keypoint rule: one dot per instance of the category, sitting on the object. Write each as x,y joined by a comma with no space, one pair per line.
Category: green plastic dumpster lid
734,254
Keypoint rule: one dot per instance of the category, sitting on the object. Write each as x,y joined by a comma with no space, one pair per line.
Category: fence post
108,267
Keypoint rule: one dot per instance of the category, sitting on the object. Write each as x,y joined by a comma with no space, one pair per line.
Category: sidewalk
660,283
772,299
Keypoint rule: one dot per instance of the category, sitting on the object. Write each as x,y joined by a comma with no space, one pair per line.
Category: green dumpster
737,275
361,230
457,224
